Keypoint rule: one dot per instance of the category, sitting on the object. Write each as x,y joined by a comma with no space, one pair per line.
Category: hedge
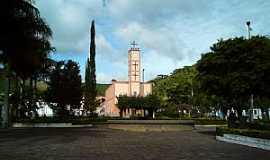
244,132
73,120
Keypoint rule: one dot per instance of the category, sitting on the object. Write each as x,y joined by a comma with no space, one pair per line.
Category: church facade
132,87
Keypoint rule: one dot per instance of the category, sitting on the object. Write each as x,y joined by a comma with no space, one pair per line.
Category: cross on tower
133,44
135,76
135,65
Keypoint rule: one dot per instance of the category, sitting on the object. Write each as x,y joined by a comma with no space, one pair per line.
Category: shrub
73,120
244,132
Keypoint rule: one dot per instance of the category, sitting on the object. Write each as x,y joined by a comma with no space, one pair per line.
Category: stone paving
107,144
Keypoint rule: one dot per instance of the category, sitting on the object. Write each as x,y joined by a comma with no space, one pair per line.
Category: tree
177,89
24,54
65,87
152,103
90,92
236,68
123,103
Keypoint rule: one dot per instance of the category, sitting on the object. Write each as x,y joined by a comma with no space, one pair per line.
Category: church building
132,87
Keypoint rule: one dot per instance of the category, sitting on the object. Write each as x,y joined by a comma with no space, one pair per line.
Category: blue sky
171,33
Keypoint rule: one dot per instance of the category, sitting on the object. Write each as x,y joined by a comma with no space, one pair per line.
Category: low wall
147,127
184,122
244,140
211,128
56,125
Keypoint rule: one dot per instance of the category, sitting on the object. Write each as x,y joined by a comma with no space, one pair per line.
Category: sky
170,33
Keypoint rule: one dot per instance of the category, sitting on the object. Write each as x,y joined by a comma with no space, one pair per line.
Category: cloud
160,40
174,32
70,21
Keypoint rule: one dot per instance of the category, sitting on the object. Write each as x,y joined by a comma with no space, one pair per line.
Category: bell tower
134,69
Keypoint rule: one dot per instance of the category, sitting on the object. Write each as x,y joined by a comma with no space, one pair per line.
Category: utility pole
251,107
249,29
143,82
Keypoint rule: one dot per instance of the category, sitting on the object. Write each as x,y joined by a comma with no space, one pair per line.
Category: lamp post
248,28
143,82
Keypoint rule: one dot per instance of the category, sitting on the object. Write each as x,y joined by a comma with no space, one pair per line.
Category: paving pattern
107,144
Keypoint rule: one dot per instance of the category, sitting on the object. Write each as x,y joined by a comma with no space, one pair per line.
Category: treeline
235,73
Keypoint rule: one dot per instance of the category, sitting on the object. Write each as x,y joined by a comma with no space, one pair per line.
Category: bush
73,120
244,132
257,125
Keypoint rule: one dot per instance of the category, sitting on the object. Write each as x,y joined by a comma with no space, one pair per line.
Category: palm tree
24,41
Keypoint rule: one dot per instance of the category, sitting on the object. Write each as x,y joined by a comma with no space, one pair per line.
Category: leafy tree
65,87
150,103
177,89
23,55
236,68
90,93
123,103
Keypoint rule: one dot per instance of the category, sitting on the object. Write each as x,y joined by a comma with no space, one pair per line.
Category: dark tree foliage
178,90
236,68
24,47
150,103
65,87
24,40
90,92
123,103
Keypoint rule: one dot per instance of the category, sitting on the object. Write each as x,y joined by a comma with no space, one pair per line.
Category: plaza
107,144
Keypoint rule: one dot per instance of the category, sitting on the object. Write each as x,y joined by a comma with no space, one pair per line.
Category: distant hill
101,88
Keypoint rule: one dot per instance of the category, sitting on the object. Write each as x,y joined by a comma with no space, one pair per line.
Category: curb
244,140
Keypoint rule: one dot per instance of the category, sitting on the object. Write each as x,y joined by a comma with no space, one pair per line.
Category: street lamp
249,28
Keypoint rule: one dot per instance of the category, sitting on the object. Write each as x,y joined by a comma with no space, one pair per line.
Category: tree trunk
121,113
31,93
35,87
5,108
23,106
144,113
14,106
150,113
23,90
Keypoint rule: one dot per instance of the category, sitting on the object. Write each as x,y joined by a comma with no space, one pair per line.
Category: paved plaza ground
107,144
